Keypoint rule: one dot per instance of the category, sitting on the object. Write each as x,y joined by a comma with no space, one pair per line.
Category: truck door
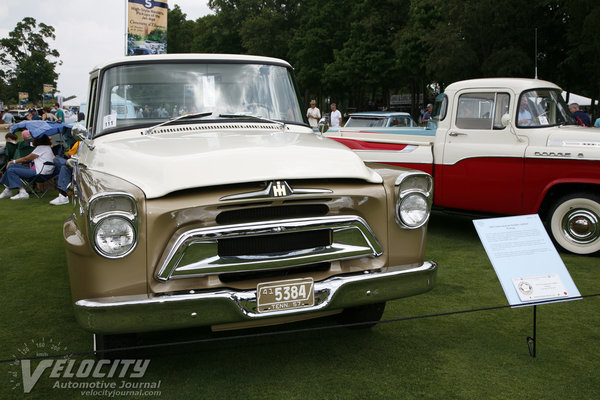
482,163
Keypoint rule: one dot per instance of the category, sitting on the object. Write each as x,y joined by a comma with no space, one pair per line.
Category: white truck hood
165,162
575,136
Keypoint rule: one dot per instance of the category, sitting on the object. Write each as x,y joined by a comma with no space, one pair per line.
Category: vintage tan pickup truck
203,198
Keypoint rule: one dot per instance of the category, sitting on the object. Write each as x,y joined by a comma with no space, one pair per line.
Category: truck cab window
475,110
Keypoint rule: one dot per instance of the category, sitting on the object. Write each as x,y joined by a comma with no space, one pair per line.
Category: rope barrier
293,331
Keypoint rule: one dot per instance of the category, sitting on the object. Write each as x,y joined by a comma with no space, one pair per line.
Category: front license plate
285,295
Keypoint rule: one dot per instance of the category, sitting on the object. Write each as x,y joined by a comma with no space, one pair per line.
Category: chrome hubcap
581,226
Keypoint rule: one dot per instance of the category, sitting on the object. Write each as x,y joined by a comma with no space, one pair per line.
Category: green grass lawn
479,355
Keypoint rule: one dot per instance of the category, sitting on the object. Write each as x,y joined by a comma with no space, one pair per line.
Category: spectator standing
313,114
33,115
581,117
47,115
427,114
19,168
335,118
8,118
60,114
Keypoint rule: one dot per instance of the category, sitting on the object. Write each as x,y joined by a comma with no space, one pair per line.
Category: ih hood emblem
275,189
279,189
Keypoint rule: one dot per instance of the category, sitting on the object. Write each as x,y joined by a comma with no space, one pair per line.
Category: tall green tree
356,50
27,60
180,31
322,29
364,67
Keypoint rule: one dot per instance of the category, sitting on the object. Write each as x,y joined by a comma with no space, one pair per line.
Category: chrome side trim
195,252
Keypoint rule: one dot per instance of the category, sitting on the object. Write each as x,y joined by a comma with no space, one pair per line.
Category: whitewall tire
574,222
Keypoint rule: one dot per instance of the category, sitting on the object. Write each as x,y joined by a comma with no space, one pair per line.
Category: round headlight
114,236
413,210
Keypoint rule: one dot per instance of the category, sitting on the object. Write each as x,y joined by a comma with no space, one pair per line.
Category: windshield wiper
193,115
241,116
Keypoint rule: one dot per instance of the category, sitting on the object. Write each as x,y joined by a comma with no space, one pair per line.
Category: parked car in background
19,114
234,214
380,119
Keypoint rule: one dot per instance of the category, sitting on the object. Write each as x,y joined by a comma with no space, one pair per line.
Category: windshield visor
147,94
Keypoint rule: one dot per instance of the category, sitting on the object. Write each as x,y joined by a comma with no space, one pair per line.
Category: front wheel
574,222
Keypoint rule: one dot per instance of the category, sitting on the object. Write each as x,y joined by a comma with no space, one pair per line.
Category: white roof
518,84
195,57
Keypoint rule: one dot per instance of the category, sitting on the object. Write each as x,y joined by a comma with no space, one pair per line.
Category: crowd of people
26,159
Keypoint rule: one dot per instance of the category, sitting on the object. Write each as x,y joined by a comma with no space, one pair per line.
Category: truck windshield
147,94
541,108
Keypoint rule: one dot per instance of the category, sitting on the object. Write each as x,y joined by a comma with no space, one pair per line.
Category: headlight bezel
118,205
408,185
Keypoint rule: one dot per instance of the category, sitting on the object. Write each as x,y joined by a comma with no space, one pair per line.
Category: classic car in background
381,119
220,207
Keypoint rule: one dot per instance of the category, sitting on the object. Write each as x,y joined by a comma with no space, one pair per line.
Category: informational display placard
526,262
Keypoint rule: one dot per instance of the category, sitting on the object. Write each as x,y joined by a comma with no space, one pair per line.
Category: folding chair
48,179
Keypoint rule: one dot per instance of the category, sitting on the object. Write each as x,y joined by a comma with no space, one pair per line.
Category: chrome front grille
268,245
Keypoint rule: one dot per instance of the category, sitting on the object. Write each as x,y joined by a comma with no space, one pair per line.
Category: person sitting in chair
20,168
64,175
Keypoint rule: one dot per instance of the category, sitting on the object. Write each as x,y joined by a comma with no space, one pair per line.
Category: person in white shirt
313,114
524,118
19,168
335,117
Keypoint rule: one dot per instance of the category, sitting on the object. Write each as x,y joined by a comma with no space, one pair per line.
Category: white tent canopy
575,98
72,103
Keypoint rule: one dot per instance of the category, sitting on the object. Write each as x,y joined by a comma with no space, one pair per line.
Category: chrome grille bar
195,253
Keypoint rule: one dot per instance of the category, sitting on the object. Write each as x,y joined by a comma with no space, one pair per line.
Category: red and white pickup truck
501,146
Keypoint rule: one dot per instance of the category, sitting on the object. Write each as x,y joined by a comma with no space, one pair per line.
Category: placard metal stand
531,339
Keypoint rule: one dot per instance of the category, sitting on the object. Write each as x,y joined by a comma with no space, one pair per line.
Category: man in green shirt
60,114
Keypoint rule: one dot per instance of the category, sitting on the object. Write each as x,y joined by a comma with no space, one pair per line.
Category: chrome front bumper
141,313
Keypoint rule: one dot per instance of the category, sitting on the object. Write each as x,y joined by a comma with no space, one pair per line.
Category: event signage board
146,27
526,262
48,89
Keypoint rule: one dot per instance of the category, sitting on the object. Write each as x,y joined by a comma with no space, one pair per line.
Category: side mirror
322,125
78,130
507,122
80,133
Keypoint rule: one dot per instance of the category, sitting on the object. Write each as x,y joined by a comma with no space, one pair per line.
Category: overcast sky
88,32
